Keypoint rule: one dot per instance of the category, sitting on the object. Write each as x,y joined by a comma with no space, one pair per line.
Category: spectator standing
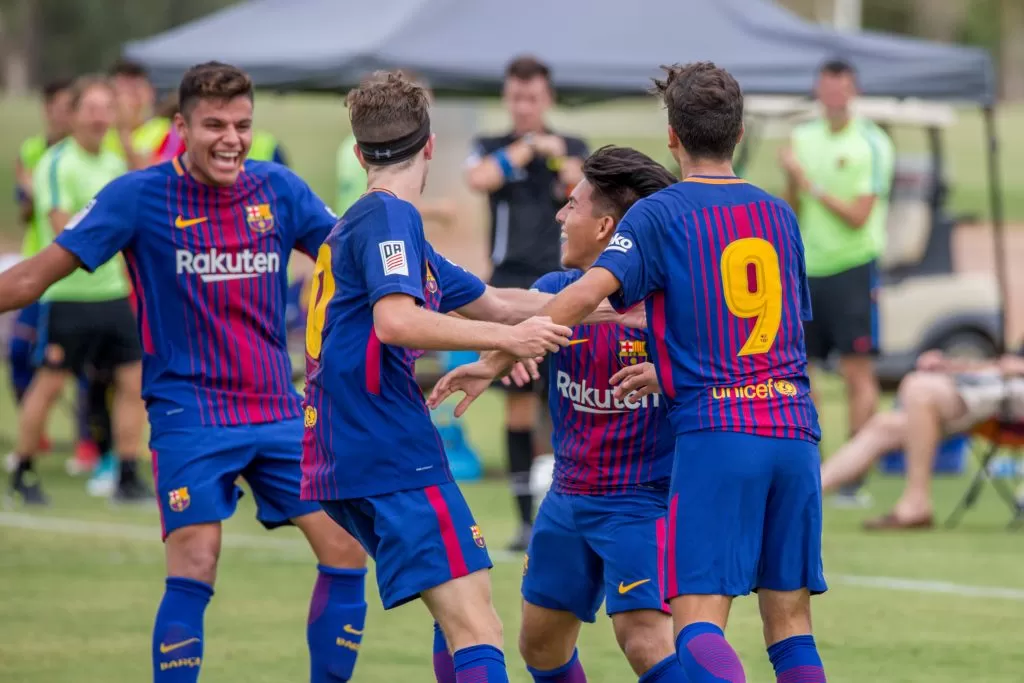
840,172
527,174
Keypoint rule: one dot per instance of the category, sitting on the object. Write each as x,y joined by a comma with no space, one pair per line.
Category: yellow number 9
752,282
321,294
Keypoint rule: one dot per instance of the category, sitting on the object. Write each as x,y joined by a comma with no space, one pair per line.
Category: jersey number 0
319,297
752,284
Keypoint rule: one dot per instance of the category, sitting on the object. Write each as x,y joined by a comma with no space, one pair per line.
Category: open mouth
226,162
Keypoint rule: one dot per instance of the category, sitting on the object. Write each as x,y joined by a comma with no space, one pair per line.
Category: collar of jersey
715,179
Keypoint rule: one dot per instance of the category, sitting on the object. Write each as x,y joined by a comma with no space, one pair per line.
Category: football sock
480,664
98,426
668,670
444,666
796,660
337,615
707,657
571,672
127,468
178,631
520,458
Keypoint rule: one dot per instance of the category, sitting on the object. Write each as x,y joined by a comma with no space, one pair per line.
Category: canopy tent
595,47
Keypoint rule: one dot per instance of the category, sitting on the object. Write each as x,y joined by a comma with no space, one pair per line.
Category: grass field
312,127
79,584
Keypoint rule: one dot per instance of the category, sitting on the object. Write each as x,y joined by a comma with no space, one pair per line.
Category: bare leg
883,433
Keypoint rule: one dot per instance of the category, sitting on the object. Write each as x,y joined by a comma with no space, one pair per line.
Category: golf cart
923,302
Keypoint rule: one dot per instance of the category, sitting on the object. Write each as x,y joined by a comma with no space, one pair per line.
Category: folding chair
989,438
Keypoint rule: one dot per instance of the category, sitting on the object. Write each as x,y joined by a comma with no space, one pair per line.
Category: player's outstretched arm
471,379
574,303
511,306
27,281
398,321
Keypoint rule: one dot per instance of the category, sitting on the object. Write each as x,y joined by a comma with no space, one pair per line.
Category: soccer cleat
104,478
87,458
852,499
521,542
29,489
133,490
11,462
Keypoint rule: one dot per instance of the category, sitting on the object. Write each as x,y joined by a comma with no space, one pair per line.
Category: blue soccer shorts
744,514
195,470
586,549
419,538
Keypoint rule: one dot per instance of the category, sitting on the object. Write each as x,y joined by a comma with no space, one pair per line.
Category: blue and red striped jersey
368,428
720,264
210,265
603,446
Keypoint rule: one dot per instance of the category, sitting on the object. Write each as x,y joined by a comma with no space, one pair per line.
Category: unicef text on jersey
587,399
218,266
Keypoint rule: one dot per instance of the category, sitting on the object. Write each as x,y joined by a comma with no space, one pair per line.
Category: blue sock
796,660
337,615
178,631
444,666
707,657
570,672
668,670
480,664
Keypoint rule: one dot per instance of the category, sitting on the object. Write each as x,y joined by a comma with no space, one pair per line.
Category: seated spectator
943,396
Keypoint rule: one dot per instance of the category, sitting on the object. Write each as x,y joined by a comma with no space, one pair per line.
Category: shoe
890,522
104,478
87,458
521,542
11,463
133,490
29,489
852,499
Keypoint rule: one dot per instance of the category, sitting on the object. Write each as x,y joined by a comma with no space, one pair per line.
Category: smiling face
217,134
586,228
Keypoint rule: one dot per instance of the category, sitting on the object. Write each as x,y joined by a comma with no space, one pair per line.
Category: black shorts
94,335
845,310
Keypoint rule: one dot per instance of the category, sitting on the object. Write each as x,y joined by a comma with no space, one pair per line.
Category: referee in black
527,174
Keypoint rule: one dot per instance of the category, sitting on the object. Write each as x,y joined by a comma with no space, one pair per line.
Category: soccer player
600,533
719,265
372,456
207,238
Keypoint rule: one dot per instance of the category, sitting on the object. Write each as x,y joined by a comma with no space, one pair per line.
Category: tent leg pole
995,186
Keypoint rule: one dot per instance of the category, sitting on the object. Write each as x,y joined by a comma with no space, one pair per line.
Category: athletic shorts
744,514
845,309
586,549
195,469
419,538
95,334
987,395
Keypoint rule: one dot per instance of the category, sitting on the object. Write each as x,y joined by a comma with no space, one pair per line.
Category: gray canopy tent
597,49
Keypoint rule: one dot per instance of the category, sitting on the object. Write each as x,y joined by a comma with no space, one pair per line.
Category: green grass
312,127
79,607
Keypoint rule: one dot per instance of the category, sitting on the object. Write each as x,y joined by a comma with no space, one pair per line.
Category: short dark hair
54,87
621,176
386,106
130,68
527,67
705,108
84,84
212,80
838,67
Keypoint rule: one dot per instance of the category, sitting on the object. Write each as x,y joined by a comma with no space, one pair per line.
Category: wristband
507,169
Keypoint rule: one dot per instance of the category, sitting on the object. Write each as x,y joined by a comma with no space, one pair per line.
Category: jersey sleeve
551,283
52,189
575,147
633,256
313,219
392,246
459,287
478,149
105,226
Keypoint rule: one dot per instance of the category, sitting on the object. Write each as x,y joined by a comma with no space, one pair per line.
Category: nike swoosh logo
164,649
625,588
574,342
182,222
352,631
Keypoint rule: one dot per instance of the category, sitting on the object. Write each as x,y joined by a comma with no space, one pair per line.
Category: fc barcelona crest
478,536
178,499
632,351
259,218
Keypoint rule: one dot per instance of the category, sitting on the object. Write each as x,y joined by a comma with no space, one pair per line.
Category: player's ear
743,132
359,155
673,139
606,228
428,149
180,124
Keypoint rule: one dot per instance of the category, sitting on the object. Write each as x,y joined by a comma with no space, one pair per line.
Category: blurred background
80,579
